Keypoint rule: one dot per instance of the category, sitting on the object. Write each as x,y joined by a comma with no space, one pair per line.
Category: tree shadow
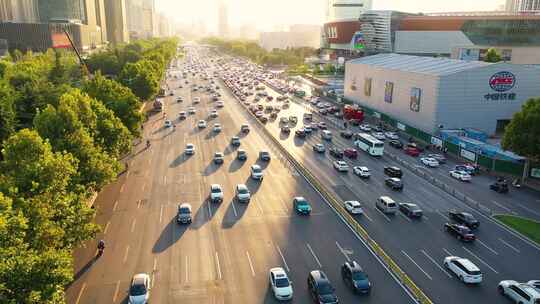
169,236
236,165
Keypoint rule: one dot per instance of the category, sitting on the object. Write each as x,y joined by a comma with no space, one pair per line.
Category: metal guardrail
403,278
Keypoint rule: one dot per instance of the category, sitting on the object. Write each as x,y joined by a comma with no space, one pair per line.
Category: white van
326,135
386,204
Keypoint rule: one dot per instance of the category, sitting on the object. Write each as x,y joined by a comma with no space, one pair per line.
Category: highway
225,254
419,247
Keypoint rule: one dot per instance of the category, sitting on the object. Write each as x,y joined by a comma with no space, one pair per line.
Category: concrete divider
414,290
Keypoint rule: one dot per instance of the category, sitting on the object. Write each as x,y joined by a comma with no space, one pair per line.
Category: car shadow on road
233,214
200,218
83,270
253,185
170,235
196,130
211,168
230,149
211,135
262,163
284,135
298,141
236,165
182,158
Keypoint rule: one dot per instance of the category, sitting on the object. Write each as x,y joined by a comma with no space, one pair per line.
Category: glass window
416,95
367,86
388,91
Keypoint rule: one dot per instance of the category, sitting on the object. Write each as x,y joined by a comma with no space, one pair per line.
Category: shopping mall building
431,94
465,36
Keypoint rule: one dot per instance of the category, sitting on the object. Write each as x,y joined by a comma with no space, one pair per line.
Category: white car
391,135
378,135
307,129
361,171
429,161
460,175
280,283
354,207
341,166
365,128
201,124
522,293
217,128
219,104
284,120
179,99
319,148
168,123
214,114
257,172
216,193
190,149
464,269
139,289
196,100
535,284
242,193
191,110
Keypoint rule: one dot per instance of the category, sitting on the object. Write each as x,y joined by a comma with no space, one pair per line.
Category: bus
369,144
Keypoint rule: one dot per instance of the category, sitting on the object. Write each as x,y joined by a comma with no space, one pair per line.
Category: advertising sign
377,114
502,81
468,154
388,91
401,126
436,141
367,87
535,172
357,41
469,54
60,41
416,94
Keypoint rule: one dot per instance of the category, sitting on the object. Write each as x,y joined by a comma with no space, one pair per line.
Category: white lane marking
126,254
489,248
284,206
154,268
257,203
165,180
436,264
343,252
115,205
313,254
161,214
479,259
447,252
381,213
234,208
443,215
187,269
250,264
504,207
405,217
283,258
127,175
365,214
106,227
138,204
143,186
122,188
528,209
80,293
133,224
425,217
512,247
217,265
116,291
427,275
153,279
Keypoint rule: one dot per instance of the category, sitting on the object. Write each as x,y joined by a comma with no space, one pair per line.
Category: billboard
469,54
357,41
60,41
367,86
416,95
388,91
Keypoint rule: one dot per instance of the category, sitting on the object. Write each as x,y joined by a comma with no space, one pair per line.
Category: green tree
141,78
493,56
106,62
522,135
7,111
119,99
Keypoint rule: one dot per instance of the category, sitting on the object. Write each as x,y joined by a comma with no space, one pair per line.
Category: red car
412,151
350,153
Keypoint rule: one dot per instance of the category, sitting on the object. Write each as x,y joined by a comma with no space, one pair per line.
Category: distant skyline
267,15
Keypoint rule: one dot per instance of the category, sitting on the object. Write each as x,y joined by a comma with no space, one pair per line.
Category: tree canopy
522,135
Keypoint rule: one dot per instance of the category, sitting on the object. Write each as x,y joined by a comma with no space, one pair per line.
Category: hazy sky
265,14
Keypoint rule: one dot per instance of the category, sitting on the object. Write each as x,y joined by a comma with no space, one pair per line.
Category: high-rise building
346,9
117,31
135,21
59,10
101,18
523,5
223,19
18,11
150,25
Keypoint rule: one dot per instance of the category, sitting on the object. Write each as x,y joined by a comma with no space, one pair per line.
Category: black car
264,155
500,185
320,288
462,233
393,172
336,152
396,143
394,183
241,155
346,134
464,218
410,210
354,276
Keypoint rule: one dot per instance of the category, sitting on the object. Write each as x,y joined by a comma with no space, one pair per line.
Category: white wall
429,42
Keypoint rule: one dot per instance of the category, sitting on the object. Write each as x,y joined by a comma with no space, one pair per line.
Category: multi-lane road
420,246
225,254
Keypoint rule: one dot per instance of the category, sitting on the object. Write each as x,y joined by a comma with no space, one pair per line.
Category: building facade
439,93
522,5
346,9
24,11
297,36
60,10
117,31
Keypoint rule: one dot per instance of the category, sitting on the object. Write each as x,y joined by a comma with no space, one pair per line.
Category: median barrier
398,273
